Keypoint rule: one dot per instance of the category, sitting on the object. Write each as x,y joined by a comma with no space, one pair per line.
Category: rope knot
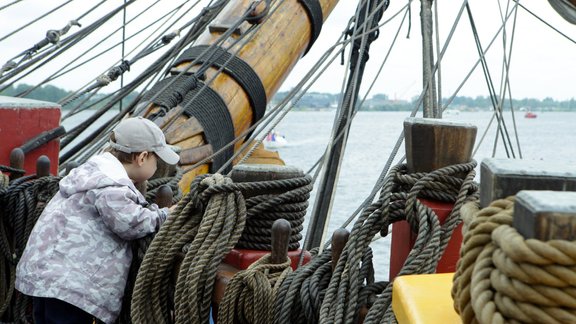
53,36
118,70
103,80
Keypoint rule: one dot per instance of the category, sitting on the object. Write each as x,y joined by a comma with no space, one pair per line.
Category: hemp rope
21,203
398,201
209,221
519,280
481,224
251,294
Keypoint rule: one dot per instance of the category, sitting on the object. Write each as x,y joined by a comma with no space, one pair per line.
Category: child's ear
141,158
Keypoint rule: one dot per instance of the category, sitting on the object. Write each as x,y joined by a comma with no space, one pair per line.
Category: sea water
372,136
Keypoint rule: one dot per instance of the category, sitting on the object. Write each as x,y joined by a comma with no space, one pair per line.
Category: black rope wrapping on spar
263,209
395,203
314,13
237,68
208,108
302,293
21,203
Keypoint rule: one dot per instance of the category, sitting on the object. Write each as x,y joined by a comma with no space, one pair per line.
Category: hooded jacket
78,251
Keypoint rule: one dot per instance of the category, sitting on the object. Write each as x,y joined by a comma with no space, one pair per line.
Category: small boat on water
220,77
530,114
275,140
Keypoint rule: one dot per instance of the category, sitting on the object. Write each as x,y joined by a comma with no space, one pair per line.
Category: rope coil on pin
398,201
503,277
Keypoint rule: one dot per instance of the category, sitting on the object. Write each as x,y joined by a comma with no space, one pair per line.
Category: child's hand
172,209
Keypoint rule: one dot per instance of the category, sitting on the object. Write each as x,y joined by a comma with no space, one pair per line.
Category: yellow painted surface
424,299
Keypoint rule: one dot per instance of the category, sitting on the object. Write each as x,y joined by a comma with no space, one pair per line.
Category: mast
431,109
263,58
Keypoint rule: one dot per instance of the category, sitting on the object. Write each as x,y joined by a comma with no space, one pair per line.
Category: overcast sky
543,63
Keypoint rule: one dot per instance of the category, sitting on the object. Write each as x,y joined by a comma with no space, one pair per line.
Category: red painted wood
403,240
21,120
242,259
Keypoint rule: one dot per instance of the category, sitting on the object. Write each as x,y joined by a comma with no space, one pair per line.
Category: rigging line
68,42
339,116
405,9
9,4
103,131
248,142
86,86
89,86
475,64
211,49
439,71
60,72
28,53
123,47
191,65
291,95
506,81
400,139
35,20
497,106
156,67
321,214
382,177
545,22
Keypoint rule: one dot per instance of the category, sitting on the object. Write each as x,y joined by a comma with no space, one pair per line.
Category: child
76,262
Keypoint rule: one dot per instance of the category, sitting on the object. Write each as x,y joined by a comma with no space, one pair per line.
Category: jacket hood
98,172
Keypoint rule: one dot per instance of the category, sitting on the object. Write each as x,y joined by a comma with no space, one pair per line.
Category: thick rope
515,279
208,221
481,223
398,201
251,294
21,204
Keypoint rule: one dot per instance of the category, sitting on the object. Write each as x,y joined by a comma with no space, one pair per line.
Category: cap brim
168,155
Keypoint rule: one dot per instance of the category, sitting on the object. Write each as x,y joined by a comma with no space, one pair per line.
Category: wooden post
435,143
339,240
17,162
71,165
545,215
263,172
280,238
500,178
43,166
164,196
432,144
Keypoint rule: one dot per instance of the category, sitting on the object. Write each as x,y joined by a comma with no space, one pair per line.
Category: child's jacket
78,251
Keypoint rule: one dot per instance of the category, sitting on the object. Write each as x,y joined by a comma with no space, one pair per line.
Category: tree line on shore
318,100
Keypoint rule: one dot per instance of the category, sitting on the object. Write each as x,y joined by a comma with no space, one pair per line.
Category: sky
543,63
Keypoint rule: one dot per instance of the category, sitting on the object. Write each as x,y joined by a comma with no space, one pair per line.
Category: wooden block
546,215
435,143
424,299
500,178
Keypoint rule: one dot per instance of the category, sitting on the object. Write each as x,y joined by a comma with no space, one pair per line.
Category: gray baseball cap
139,134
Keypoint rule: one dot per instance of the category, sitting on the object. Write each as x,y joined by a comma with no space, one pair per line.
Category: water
373,135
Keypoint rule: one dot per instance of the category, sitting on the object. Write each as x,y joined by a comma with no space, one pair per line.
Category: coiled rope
301,295
479,224
208,221
398,201
21,203
251,294
272,200
512,279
